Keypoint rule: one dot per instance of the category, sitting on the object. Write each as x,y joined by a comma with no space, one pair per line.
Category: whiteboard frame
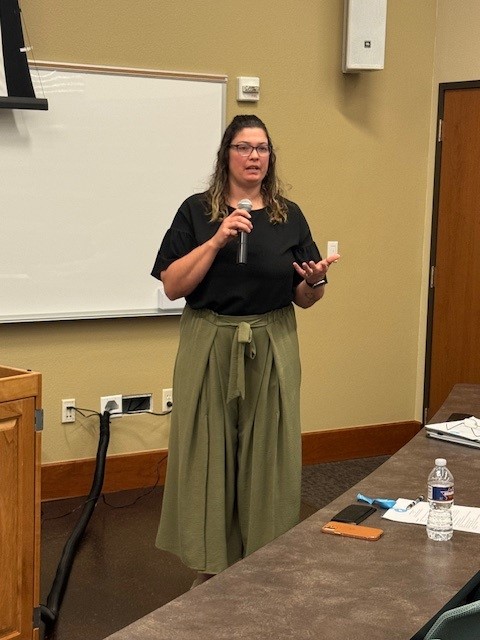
126,71
171,309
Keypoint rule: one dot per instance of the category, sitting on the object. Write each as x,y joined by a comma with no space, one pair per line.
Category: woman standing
234,464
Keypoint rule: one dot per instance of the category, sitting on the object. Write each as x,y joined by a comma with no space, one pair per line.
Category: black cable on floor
49,612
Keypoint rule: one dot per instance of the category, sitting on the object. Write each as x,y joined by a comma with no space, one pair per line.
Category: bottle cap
440,462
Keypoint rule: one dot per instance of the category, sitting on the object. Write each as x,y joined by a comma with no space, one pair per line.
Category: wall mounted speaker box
364,29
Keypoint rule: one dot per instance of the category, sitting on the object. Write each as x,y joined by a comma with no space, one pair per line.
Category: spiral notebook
465,431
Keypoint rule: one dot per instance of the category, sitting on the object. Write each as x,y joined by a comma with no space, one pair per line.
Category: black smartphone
458,416
354,513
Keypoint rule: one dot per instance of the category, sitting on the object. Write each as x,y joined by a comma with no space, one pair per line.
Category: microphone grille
245,204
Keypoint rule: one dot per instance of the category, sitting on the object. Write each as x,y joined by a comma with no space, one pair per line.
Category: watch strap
320,283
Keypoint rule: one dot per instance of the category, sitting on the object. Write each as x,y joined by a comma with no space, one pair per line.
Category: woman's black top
265,283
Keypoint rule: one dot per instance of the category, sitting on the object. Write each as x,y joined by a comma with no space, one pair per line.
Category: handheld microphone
242,236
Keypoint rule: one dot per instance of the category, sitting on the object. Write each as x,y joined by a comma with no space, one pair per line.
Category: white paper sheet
464,518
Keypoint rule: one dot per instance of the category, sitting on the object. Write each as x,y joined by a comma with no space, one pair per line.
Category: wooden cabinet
20,424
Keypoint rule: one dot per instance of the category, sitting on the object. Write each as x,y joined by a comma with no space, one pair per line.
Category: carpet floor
118,575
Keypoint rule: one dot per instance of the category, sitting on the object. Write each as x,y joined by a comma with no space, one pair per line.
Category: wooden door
453,336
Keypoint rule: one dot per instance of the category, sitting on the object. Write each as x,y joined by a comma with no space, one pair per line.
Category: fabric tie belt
243,346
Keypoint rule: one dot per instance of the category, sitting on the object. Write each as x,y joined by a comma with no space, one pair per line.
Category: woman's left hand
312,271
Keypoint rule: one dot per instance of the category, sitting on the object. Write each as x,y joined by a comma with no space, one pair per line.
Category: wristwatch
320,283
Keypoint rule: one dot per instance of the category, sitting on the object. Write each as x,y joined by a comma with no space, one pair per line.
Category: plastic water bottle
440,499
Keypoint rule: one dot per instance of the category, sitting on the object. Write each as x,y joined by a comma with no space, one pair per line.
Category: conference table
306,584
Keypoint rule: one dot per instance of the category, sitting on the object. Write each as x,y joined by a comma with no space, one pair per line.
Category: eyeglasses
245,149
467,423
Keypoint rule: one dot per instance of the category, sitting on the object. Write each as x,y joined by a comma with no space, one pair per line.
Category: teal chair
461,623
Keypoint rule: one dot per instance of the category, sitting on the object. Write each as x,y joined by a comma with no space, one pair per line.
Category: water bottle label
441,494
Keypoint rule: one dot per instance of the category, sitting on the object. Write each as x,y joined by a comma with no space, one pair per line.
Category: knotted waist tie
243,343
243,346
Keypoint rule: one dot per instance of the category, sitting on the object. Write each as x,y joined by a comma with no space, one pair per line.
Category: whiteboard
90,187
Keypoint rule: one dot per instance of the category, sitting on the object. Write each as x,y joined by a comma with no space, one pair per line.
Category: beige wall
457,54
355,150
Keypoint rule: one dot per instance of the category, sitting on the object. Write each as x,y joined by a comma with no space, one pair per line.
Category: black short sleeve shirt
265,283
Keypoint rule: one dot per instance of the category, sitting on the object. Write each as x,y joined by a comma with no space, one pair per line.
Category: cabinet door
17,519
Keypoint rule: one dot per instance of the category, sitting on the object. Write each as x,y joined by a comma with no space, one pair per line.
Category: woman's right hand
238,220
183,275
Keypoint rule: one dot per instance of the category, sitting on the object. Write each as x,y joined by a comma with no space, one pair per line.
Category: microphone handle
242,236
242,248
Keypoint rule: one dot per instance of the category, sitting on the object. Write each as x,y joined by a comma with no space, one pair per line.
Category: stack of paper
466,431
464,518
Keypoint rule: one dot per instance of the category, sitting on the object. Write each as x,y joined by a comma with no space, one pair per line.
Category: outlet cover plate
114,405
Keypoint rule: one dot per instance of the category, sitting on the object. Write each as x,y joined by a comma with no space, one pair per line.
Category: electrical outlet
112,404
167,399
68,412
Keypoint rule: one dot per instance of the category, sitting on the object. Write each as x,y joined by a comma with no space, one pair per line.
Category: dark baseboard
357,442
71,478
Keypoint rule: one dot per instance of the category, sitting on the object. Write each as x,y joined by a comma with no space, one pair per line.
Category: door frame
443,87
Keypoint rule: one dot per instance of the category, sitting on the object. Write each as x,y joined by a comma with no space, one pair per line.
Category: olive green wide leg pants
234,461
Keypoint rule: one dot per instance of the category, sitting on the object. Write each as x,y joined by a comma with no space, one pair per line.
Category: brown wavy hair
271,188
